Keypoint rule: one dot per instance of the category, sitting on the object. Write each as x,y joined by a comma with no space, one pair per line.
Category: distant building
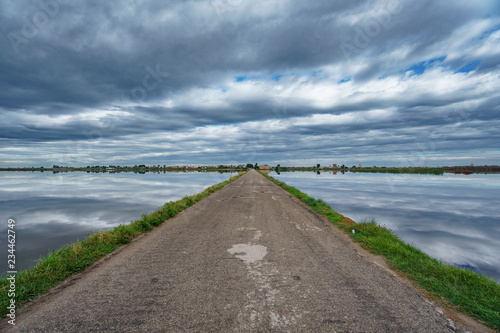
264,167
359,166
335,166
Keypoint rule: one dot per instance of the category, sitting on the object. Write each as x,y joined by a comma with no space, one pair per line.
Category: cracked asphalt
249,258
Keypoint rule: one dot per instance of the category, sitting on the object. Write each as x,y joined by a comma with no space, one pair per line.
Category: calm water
454,218
52,210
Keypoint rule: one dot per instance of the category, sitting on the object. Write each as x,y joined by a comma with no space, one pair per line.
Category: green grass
74,258
464,290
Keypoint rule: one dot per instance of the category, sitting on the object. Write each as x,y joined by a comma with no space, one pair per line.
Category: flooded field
454,218
52,210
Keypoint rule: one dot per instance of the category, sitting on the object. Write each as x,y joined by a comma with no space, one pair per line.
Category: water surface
52,210
454,218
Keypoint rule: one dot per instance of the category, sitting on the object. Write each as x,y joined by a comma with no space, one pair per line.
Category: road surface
249,258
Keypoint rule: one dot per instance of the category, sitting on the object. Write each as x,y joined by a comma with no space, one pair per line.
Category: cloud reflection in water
52,210
452,217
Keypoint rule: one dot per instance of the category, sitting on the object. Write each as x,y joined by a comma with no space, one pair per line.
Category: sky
195,82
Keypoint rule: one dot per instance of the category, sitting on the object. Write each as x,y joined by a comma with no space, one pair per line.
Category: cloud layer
391,82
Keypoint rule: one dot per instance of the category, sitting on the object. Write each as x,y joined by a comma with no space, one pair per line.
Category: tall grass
74,258
462,289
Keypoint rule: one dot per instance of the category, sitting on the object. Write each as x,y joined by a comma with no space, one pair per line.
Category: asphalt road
249,258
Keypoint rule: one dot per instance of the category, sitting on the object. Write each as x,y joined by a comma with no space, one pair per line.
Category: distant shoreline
142,169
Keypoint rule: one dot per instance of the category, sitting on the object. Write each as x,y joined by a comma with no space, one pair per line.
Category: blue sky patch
346,79
471,66
418,69
276,77
318,74
421,67
241,78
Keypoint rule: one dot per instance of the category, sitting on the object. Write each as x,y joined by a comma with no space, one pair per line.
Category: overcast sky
384,82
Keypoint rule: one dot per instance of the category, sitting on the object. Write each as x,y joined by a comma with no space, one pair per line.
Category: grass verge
468,292
76,257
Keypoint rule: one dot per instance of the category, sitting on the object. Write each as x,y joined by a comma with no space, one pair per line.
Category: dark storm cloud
93,52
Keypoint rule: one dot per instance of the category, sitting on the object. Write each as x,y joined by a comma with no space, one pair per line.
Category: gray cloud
217,81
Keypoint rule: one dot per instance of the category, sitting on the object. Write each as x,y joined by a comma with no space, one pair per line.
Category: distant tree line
473,169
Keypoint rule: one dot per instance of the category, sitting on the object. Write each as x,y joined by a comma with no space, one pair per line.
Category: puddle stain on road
248,253
261,306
